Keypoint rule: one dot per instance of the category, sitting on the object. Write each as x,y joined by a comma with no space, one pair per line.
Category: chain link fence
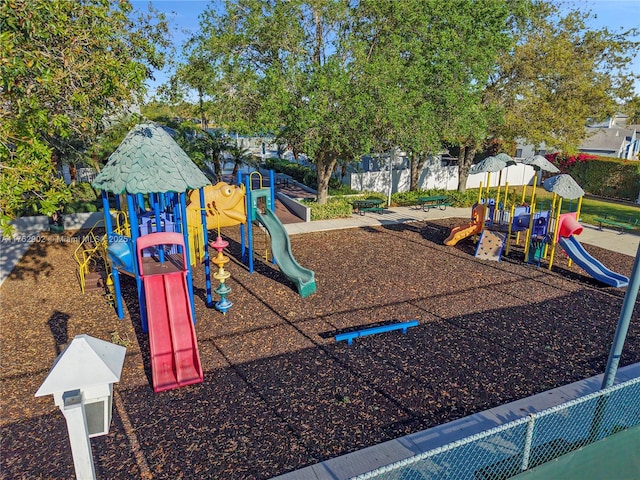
505,451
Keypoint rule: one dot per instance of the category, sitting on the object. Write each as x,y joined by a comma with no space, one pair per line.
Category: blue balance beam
372,331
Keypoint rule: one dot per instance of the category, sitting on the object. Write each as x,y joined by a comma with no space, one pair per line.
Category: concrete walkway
28,230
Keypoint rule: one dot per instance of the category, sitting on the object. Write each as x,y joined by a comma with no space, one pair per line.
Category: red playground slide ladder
175,361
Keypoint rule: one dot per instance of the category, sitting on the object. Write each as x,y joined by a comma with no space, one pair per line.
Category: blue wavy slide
281,249
593,267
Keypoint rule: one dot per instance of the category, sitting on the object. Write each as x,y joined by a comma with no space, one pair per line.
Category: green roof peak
149,161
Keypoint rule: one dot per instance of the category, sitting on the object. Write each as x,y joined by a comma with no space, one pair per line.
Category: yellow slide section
464,231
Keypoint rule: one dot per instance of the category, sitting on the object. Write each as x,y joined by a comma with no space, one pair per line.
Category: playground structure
260,209
349,336
93,260
163,232
544,230
153,174
476,226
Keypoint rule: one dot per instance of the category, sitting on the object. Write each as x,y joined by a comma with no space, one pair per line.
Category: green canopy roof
149,161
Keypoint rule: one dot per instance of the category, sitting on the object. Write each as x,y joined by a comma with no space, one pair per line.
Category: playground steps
95,281
490,245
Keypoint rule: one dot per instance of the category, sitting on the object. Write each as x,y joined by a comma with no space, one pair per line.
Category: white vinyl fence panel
437,176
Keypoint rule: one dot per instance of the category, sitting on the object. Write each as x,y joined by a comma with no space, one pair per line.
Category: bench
434,201
622,225
368,205
404,326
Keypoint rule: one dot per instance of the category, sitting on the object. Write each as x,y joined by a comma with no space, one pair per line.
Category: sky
617,15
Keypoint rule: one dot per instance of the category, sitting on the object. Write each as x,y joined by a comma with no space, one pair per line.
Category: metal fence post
527,443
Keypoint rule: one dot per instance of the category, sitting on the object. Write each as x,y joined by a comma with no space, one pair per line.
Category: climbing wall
490,245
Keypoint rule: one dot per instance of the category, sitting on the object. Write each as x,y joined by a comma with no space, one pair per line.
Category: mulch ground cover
279,393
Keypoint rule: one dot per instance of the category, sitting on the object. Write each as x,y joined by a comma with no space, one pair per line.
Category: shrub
84,199
603,176
565,162
334,208
456,198
295,171
342,189
81,207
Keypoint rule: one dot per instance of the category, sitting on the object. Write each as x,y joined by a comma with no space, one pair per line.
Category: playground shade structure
175,361
303,278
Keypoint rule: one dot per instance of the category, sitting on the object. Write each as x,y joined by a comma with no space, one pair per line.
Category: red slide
175,361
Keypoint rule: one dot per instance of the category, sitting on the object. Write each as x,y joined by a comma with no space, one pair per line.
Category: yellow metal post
531,213
555,230
513,210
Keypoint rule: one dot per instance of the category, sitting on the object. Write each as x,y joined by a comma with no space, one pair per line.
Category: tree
66,67
554,76
239,156
559,76
281,68
204,147
425,63
632,108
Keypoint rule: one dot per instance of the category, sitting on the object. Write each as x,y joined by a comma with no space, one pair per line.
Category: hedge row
607,177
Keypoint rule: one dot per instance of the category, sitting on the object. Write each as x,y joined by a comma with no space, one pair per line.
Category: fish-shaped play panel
224,205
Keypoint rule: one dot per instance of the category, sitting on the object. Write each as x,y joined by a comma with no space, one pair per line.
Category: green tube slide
281,249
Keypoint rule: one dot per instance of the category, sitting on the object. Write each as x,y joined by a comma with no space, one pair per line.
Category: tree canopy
559,76
67,66
336,78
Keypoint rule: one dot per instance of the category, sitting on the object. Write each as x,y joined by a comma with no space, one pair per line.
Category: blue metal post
249,222
154,201
141,202
185,232
135,233
243,240
205,240
272,188
623,324
176,212
114,272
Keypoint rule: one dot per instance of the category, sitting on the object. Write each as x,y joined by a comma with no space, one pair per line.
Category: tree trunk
217,166
203,119
465,159
325,163
416,166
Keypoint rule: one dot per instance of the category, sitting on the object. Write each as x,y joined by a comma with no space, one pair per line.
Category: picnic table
622,225
433,201
368,205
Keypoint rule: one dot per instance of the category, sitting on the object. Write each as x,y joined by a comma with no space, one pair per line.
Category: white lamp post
81,382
